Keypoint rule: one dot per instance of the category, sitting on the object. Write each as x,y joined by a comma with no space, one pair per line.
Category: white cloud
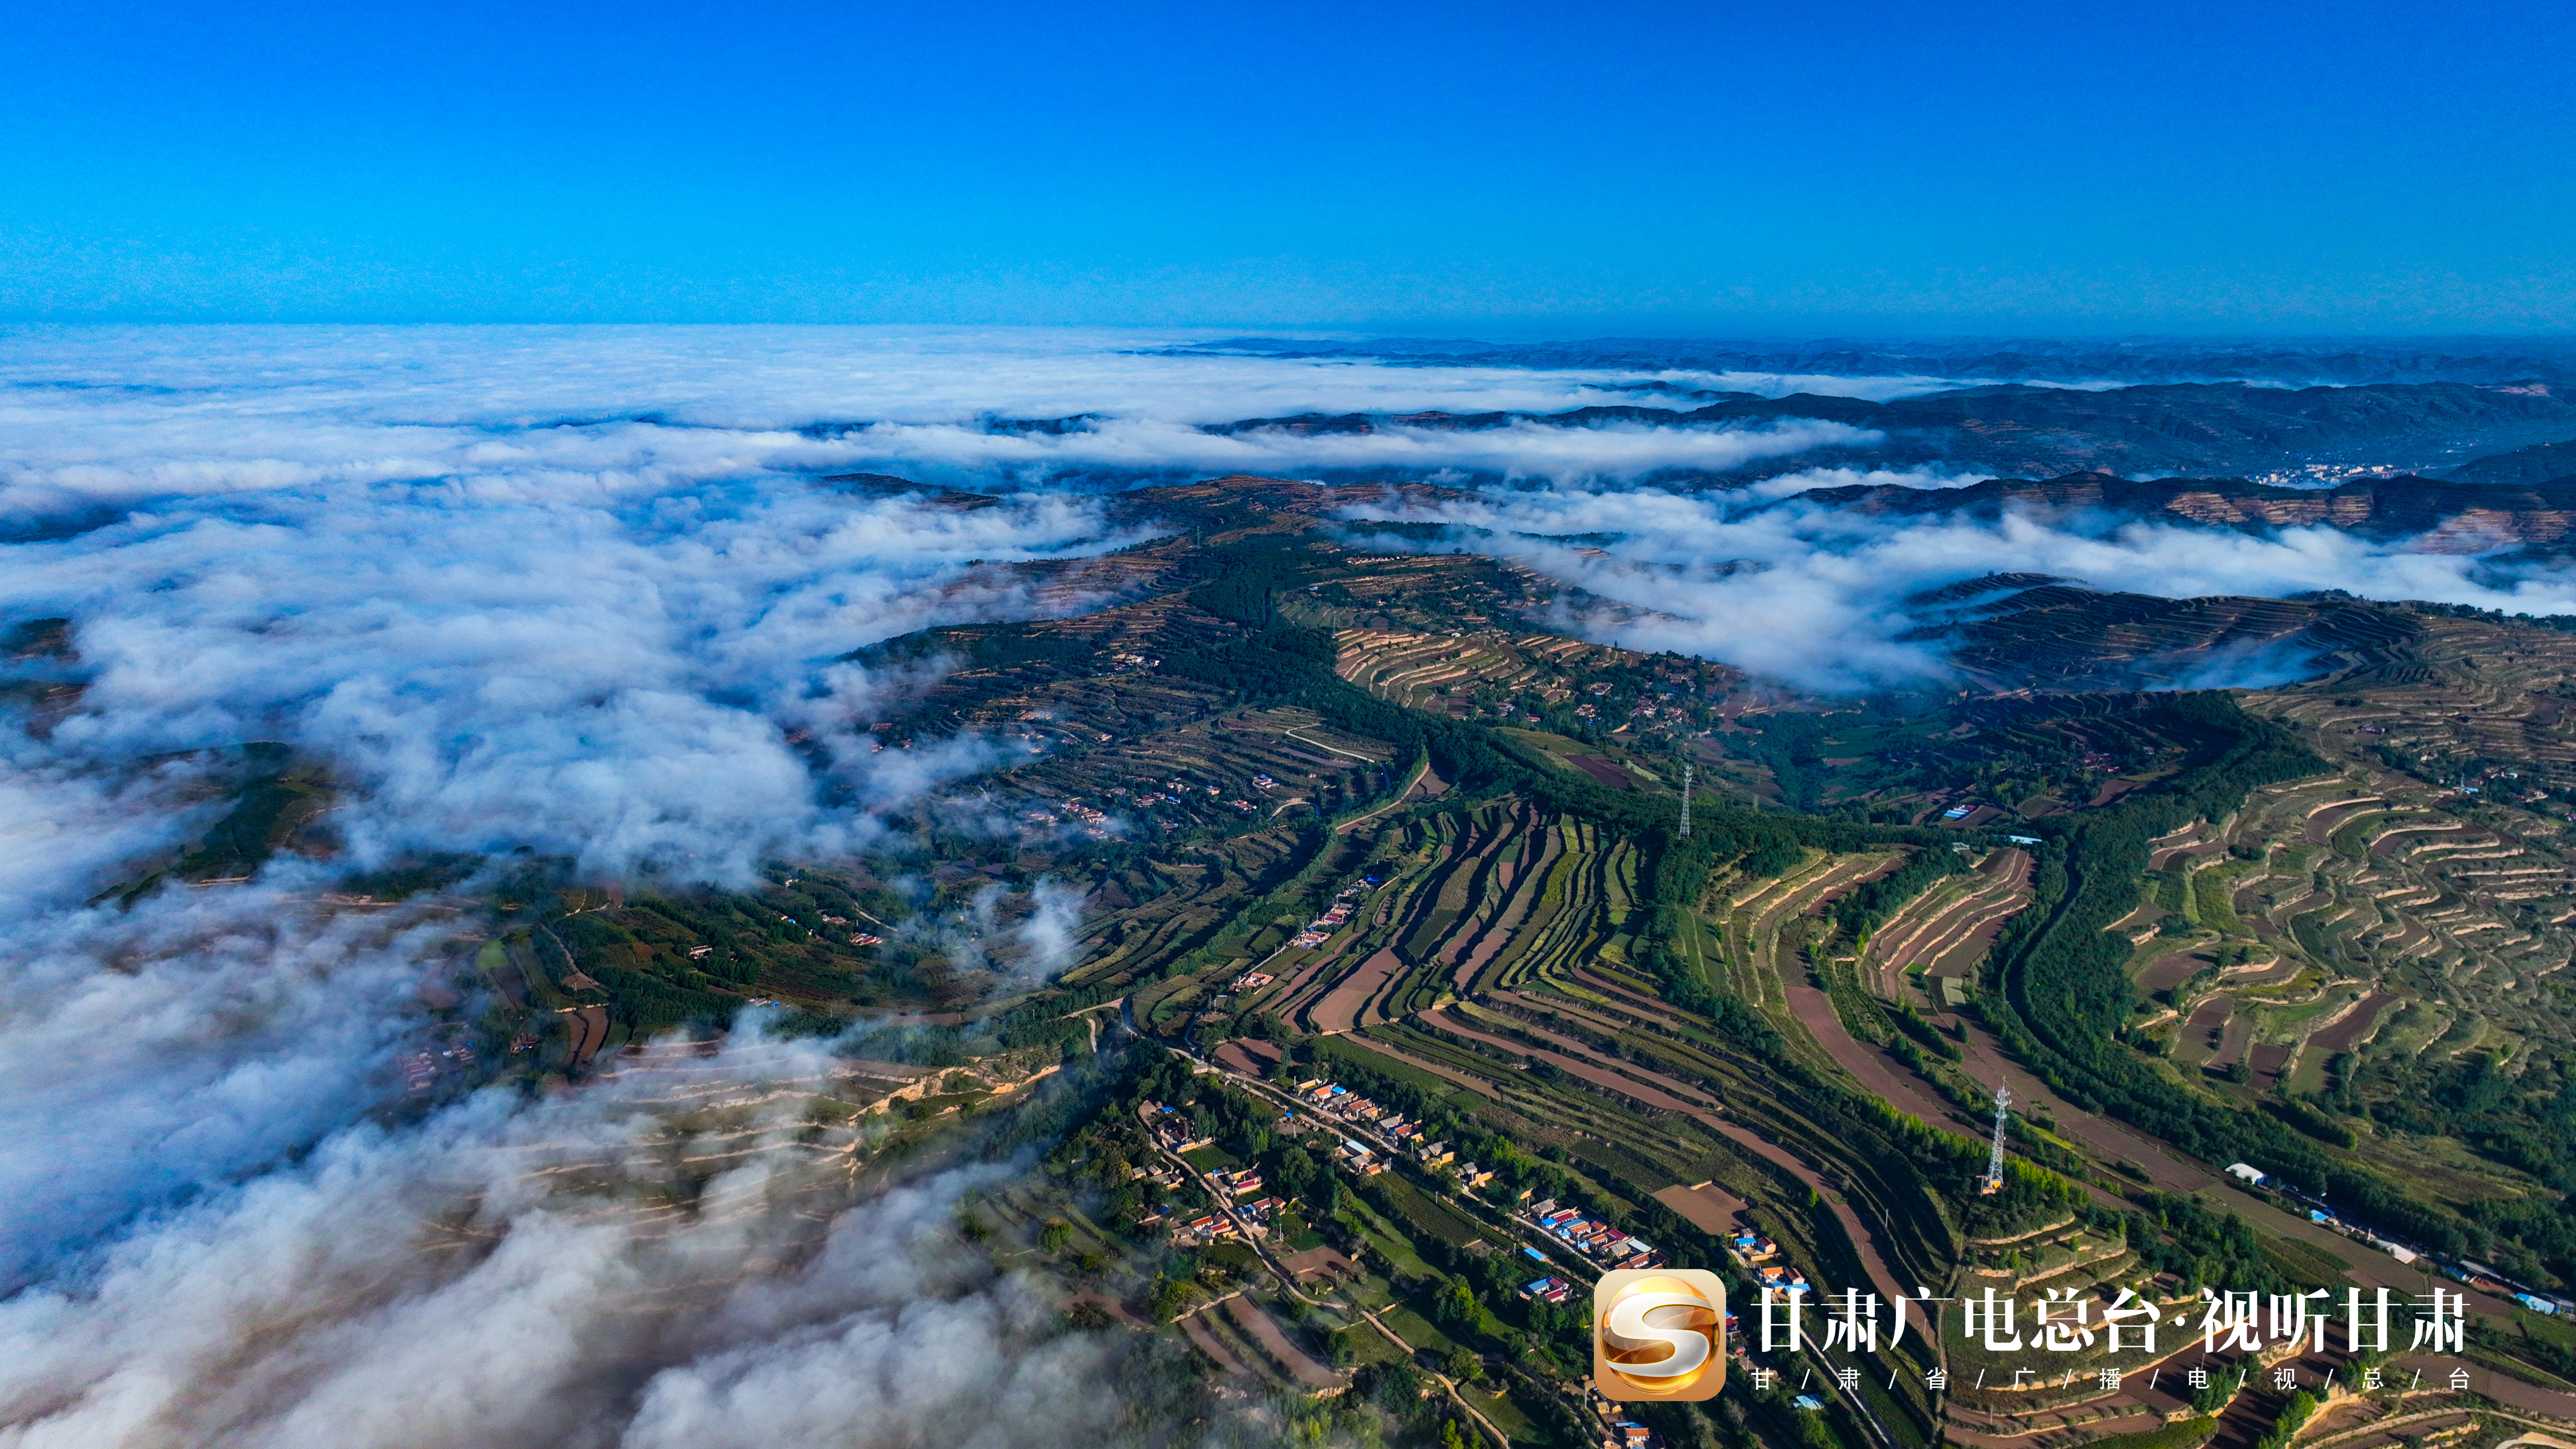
146,1057
1815,597
614,682
1518,450
509,1274
1806,480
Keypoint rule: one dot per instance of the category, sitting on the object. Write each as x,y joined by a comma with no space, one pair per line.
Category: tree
1088,1316
1293,1172
1462,1365
1169,1298
1055,1236
1455,1303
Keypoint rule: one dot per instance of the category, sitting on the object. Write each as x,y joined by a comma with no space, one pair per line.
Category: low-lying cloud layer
95,422
507,1274
1516,450
1816,597
601,668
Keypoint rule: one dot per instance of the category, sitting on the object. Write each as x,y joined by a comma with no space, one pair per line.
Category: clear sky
1496,168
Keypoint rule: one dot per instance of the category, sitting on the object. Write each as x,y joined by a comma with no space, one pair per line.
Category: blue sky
1492,168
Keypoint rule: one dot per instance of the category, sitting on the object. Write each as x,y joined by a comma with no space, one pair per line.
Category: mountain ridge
2444,517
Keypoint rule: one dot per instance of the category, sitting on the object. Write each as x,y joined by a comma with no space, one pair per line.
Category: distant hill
2539,463
2456,517
2331,362
2198,428
2011,631
886,485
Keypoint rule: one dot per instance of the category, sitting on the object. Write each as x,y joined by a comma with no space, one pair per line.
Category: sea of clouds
579,590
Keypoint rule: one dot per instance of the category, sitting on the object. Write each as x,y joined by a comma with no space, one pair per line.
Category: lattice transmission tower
1995,1158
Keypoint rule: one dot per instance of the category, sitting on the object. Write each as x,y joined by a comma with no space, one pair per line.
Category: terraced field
1936,942
1445,672
2284,938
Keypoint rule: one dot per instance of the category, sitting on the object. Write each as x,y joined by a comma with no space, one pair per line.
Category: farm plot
1339,1009
1946,931
1767,924
1459,902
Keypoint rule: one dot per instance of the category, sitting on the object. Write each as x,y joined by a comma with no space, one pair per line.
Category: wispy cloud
613,680
509,1274
1521,449
1814,596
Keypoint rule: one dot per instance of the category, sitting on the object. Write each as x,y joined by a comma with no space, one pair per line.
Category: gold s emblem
1659,1333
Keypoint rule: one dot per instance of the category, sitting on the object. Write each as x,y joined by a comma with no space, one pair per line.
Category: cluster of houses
1550,1289
1217,1226
1344,902
1095,823
1212,1227
1359,1157
1595,1240
1335,1100
1752,1250
1174,1134
420,1069
1167,1178
1072,809
1781,1280
1254,1217
1175,791
1205,1228
1440,1154
1251,981
1322,927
